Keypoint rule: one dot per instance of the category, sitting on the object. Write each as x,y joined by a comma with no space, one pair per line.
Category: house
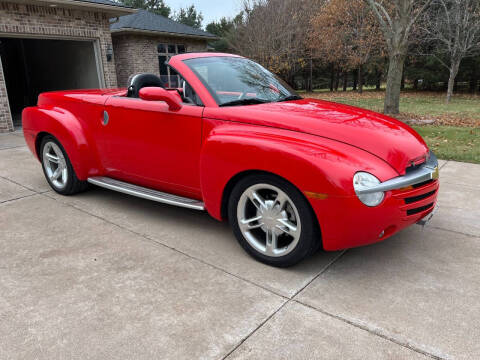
143,42
71,44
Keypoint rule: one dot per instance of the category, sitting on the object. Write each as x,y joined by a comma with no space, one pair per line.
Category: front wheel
272,220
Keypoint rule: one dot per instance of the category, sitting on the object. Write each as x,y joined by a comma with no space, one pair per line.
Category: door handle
105,118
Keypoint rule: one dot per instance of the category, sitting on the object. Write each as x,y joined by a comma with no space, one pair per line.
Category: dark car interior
139,81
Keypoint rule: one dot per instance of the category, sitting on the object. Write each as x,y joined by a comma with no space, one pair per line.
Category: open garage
53,45
32,66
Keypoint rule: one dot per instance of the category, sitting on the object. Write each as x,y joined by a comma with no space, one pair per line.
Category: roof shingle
105,2
147,21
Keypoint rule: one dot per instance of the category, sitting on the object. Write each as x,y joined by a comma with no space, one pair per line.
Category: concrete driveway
103,275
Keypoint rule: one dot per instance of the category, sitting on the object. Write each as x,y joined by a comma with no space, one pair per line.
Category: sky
211,9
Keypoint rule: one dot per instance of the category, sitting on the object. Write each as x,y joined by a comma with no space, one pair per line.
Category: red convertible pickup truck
291,175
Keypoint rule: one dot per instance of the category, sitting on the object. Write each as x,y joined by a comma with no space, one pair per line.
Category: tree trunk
444,86
394,82
308,83
290,79
402,86
345,80
379,80
415,84
473,78
451,80
355,79
332,77
310,76
337,80
360,79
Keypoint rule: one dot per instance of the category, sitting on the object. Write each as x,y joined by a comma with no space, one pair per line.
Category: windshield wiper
249,101
291,97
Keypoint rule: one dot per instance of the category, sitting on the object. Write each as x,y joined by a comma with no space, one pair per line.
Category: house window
165,51
181,49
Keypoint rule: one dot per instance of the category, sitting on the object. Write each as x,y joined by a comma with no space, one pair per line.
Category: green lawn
463,110
452,143
455,135
433,106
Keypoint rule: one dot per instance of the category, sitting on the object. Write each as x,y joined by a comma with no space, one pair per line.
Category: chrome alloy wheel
55,165
268,220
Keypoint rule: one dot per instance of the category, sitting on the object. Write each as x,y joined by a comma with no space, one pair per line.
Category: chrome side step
146,193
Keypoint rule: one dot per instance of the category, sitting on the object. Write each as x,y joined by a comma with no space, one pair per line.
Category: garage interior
32,66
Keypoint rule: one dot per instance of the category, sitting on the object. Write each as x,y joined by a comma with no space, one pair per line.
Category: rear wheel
58,169
272,220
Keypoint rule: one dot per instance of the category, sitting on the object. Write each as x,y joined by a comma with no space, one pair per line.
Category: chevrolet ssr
291,175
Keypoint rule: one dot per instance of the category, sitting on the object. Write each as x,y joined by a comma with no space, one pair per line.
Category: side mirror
160,94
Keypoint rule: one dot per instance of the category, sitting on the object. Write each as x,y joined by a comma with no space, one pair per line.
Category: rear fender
67,129
314,165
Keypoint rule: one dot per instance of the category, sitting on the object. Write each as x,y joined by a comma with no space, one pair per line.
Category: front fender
71,133
311,163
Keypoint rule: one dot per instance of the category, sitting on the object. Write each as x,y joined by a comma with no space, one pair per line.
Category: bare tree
274,33
396,18
344,32
454,28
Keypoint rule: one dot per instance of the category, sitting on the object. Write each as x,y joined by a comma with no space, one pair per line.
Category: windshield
238,81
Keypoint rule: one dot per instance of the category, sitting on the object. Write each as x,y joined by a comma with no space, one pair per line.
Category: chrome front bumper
427,171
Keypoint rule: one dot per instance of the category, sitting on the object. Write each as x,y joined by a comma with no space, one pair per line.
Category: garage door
32,66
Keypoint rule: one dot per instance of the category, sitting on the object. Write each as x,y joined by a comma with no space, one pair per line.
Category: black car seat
138,81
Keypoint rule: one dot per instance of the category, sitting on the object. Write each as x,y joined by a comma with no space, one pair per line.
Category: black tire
310,237
73,185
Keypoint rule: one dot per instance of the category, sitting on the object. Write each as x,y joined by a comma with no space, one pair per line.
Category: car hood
387,138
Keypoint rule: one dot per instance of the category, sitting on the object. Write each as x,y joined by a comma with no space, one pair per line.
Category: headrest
138,81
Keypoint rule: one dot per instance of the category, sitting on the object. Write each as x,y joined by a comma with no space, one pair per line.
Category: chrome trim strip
427,171
146,193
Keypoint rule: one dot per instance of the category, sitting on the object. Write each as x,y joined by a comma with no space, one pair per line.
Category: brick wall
33,20
5,116
136,53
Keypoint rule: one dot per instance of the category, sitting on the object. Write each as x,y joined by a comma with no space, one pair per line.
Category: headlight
363,181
